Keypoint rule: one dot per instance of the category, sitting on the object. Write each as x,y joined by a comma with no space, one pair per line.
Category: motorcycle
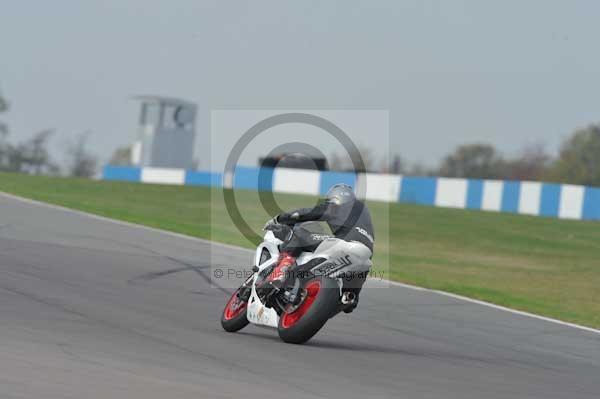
295,287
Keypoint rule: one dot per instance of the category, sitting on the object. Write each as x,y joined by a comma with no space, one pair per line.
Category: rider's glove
270,222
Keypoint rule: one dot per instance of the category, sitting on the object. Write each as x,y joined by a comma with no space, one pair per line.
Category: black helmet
340,194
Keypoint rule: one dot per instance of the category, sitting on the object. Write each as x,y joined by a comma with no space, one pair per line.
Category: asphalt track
94,309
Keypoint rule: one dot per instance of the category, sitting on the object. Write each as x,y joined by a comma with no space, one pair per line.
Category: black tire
315,316
233,322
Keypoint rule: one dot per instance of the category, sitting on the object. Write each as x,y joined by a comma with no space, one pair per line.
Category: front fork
245,289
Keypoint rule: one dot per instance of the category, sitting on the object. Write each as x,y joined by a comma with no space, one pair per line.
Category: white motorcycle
297,282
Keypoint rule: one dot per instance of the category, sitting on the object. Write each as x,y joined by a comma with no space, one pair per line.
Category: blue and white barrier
564,201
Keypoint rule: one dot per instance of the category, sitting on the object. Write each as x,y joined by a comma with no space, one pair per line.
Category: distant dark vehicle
294,161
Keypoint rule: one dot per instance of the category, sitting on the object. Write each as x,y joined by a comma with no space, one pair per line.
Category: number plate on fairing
257,313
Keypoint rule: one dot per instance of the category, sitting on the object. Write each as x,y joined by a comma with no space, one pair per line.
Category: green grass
545,266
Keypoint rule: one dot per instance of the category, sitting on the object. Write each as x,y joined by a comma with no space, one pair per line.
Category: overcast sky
508,73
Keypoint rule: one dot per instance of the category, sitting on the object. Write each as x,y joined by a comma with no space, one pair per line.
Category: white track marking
121,222
395,283
491,305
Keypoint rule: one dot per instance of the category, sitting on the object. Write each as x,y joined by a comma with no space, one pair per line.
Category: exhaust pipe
348,297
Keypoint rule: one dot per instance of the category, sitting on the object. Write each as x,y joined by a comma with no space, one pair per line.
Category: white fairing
331,249
257,312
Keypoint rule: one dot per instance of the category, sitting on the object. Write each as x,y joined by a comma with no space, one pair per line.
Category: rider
350,222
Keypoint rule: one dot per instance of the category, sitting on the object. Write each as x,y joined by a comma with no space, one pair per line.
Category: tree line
577,162
33,157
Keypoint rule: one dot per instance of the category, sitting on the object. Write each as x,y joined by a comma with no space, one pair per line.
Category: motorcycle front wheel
234,315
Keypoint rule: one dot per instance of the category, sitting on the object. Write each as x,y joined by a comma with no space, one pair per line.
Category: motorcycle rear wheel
320,304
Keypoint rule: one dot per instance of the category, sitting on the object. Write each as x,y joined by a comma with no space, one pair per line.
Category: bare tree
420,169
82,163
473,161
36,151
344,163
4,145
532,164
3,108
394,166
336,162
5,152
3,104
31,156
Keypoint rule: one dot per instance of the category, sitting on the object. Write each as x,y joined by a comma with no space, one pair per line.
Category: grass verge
545,266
